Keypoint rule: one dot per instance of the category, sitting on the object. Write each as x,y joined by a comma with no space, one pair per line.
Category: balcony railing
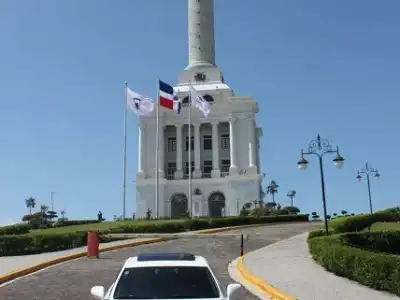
186,176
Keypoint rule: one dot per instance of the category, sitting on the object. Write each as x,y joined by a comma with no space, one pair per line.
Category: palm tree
272,189
44,208
30,203
291,194
63,213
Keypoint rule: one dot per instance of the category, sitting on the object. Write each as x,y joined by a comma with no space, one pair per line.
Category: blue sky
328,67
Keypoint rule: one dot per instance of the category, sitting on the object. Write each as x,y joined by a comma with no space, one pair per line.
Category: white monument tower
225,162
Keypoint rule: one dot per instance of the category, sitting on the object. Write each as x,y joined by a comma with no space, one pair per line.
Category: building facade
225,156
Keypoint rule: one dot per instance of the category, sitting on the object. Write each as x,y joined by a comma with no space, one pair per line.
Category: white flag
139,104
199,102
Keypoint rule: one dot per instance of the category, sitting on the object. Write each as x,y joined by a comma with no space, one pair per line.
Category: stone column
252,168
179,170
201,33
215,173
141,151
233,170
197,170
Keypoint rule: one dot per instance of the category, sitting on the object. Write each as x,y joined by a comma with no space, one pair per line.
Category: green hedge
377,270
74,222
360,222
47,242
379,241
366,257
34,244
15,229
199,224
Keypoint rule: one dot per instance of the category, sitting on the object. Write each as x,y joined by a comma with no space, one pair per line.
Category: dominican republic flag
168,98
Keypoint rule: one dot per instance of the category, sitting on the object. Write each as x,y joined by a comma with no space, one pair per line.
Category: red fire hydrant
93,245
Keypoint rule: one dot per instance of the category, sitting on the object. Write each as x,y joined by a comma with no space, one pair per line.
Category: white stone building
225,157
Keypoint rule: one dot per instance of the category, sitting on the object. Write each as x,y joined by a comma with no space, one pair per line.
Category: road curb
23,272
260,284
222,229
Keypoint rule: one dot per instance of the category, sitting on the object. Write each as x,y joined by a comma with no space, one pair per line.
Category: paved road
10,264
74,279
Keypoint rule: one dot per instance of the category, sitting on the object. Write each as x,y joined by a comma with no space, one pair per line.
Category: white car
165,276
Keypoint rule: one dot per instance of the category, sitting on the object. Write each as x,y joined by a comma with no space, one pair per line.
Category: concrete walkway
10,264
288,266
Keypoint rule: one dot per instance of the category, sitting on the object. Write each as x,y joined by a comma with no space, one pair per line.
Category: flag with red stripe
168,98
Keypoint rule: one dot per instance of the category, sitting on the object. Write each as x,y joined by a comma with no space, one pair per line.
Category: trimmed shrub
360,222
366,257
379,241
199,224
48,242
13,245
15,229
377,270
320,232
64,223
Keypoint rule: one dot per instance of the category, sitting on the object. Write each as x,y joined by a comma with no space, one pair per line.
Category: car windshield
166,283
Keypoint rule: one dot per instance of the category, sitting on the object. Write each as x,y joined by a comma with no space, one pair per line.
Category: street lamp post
320,147
367,170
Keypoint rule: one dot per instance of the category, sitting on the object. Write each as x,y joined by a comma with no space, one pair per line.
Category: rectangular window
187,167
207,167
191,144
171,169
226,163
225,141
207,142
172,144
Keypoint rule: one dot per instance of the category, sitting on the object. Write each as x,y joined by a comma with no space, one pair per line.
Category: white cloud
6,221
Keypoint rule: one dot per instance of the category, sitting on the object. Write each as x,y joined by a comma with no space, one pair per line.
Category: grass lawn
98,226
385,226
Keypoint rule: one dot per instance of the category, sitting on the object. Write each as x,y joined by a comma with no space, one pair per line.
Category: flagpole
157,144
190,154
124,155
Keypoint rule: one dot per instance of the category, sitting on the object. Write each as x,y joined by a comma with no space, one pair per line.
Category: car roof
165,259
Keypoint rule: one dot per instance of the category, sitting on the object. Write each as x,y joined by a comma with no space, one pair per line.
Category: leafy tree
148,214
271,205
44,216
255,202
343,212
30,203
100,216
272,189
51,215
292,210
328,217
314,215
44,208
63,213
291,194
334,214
245,210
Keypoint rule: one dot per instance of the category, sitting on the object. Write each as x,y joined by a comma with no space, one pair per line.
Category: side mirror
97,292
232,289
